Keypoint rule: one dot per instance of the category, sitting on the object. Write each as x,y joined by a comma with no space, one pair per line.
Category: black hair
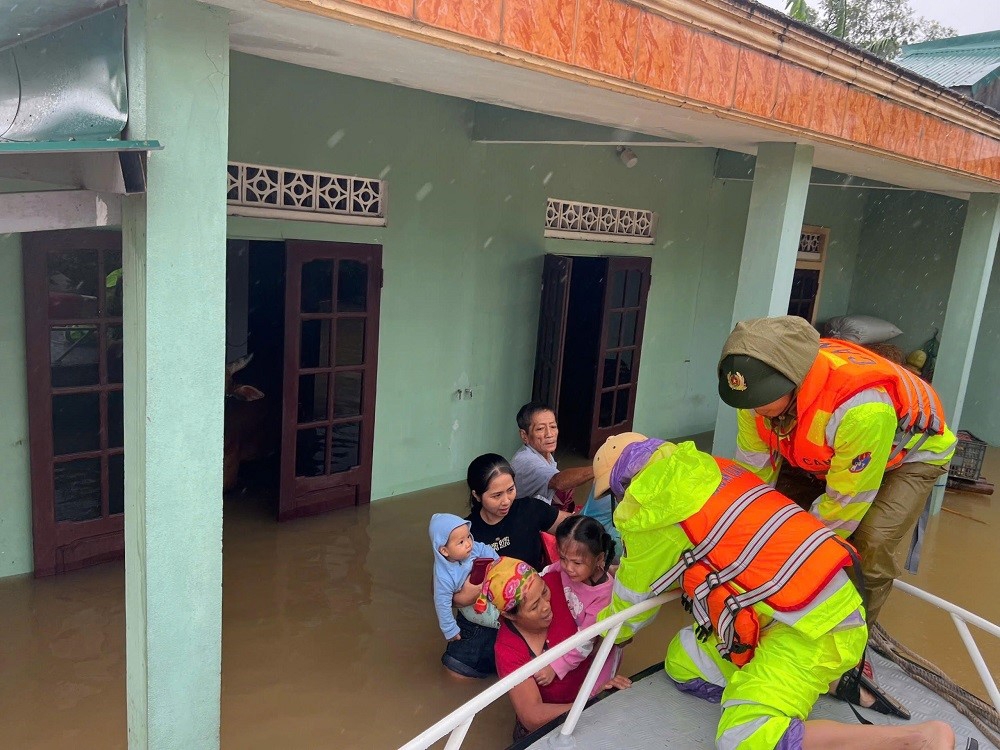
481,472
590,533
527,412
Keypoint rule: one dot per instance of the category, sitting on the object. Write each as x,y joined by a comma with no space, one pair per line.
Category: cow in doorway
246,432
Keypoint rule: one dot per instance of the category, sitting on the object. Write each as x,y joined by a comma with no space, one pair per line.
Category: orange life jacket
841,371
751,544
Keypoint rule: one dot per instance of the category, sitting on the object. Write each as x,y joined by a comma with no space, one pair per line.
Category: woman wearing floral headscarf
534,616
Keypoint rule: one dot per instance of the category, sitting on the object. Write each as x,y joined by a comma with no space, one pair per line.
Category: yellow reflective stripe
817,430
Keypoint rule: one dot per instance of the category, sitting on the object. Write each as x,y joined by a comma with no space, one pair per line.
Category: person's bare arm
530,709
570,479
563,515
533,713
466,595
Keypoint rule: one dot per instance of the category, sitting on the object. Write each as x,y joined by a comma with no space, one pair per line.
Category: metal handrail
961,618
457,723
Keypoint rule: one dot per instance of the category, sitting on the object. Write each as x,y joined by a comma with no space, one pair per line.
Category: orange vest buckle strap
784,576
777,553
694,555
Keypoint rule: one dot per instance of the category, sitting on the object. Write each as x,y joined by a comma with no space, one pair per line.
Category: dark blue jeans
472,655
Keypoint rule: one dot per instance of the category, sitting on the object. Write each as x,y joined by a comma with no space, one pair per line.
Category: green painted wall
698,239
840,208
463,254
15,492
843,211
908,247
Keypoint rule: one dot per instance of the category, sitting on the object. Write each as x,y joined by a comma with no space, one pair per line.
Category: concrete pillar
174,247
965,310
777,206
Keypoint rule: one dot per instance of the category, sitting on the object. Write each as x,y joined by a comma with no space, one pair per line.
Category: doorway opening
807,280
590,326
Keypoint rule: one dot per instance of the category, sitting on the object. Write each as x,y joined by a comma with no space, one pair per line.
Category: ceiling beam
58,209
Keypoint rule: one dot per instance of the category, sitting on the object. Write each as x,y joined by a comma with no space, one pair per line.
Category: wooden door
73,326
551,329
328,406
626,286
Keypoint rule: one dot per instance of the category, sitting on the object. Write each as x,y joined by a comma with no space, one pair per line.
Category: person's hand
619,682
457,637
544,676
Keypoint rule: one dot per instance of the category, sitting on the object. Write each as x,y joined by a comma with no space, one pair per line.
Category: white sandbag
861,329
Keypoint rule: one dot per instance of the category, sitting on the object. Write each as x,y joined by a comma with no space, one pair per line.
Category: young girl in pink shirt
586,551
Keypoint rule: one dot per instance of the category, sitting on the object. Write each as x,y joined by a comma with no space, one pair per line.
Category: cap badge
736,381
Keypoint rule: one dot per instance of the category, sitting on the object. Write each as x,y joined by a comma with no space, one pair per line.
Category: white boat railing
457,723
962,618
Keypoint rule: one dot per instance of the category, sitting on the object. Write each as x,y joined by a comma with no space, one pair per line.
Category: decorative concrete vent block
275,192
573,220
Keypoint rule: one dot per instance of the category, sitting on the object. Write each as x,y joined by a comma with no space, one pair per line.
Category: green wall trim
15,489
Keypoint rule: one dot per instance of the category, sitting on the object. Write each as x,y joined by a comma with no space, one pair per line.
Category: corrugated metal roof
958,61
965,68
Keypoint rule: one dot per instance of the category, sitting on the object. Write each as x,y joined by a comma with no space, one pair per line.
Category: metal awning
63,106
105,166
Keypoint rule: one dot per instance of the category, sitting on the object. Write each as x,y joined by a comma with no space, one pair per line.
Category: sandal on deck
849,689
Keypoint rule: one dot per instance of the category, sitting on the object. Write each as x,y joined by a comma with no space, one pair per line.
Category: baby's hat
504,584
441,526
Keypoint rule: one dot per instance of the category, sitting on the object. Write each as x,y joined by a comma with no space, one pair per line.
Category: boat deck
654,714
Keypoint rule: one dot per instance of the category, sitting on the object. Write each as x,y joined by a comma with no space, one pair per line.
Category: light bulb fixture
628,157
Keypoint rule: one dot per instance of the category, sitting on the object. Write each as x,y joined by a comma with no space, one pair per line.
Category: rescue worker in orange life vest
777,620
873,430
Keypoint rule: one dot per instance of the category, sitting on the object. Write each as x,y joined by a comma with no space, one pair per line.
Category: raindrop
507,198
489,241
547,178
384,172
334,139
424,191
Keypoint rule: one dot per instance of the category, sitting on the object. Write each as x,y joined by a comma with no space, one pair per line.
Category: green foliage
879,26
800,10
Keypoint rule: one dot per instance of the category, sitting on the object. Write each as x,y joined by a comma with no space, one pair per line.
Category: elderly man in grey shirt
536,472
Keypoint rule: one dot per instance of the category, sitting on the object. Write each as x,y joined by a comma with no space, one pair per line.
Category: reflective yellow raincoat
800,653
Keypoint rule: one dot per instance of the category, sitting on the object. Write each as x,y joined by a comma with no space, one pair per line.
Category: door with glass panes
331,347
590,324
626,287
73,326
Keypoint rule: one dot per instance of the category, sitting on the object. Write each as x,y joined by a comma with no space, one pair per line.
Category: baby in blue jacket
454,553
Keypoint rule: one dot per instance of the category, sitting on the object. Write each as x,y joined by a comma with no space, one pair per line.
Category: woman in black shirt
512,526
